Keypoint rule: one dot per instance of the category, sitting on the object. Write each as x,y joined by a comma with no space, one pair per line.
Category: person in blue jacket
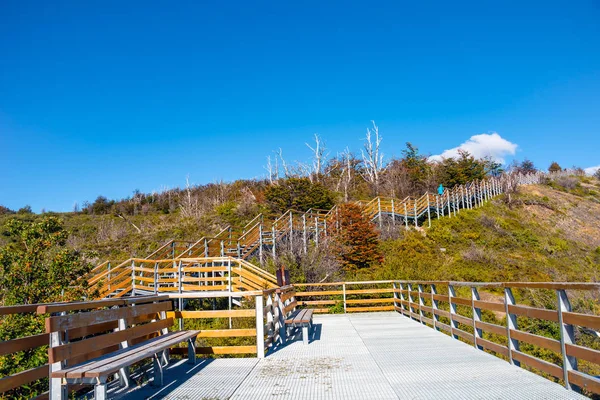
441,189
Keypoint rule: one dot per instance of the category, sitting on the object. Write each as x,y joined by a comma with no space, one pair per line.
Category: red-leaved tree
356,240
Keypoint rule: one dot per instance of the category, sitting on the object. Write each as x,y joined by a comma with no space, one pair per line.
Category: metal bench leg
158,369
192,351
100,390
305,334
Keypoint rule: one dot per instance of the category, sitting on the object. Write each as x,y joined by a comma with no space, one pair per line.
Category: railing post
205,247
393,212
155,278
58,391
511,323
395,295
133,278
109,277
409,288
281,307
421,303
291,230
428,212
448,196
317,231
260,327
344,293
402,299
477,333
453,323
379,207
434,306
304,239
273,239
567,336
405,215
260,243
415,210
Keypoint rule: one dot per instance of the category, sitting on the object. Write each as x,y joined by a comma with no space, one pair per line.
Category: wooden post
511,323
317,231
448,195
567,337
58,391
393,212
395,295
133,278
108,278
260,327
281,308
437,206
123,372
291,230
222,248
477,333
205,247
405,216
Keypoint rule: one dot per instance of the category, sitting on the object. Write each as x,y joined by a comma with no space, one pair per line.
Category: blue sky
109,97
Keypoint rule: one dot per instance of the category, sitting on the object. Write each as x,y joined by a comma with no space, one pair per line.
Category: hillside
542,233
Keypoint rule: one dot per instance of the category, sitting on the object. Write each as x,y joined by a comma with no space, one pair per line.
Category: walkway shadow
296,336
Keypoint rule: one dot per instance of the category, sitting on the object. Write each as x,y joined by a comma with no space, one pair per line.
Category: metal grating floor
359,356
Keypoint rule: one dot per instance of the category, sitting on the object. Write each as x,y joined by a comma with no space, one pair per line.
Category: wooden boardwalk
358,356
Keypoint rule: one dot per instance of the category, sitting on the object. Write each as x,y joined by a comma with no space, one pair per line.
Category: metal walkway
359,356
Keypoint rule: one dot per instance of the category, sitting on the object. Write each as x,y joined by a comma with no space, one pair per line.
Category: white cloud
592,170
484,145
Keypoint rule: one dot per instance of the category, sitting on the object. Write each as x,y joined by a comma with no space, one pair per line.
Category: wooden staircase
206,264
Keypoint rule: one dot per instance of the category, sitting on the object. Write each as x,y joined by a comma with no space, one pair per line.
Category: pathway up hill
544,233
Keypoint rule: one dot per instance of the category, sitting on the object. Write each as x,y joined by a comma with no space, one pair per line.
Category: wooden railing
147,276
471,312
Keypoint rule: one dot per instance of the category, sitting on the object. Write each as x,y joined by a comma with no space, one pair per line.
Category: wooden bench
302,319
89,347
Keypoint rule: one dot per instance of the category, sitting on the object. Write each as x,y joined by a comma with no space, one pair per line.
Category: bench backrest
85,335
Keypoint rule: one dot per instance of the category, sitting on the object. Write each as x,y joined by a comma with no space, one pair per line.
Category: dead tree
372,158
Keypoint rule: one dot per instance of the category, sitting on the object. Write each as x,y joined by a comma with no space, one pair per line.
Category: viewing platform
358,356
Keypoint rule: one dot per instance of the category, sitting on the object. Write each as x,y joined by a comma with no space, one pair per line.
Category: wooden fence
469,312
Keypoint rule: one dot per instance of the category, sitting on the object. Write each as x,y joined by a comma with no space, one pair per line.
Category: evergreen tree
298,194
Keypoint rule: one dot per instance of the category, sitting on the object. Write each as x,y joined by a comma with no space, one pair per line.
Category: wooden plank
534,362
486,344
536,340
119,356
440,297
217,350
462,319
24,343
63,322
369,301
211,314
290,307
23,377
369,291
443,326
493,328
320,293
318,302
461,301
583,353
488,305
585,381
73,349
227,333
442,313
366,309
532,312
588,321
465,335
138,354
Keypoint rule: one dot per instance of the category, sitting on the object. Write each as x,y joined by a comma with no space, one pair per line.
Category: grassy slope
543,234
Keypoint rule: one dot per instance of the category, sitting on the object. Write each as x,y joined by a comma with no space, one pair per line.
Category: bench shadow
296,336
175,375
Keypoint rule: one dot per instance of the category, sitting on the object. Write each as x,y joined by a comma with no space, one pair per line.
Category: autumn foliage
356,240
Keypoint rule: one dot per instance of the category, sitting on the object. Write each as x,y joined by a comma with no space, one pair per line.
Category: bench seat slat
139,355
79,371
